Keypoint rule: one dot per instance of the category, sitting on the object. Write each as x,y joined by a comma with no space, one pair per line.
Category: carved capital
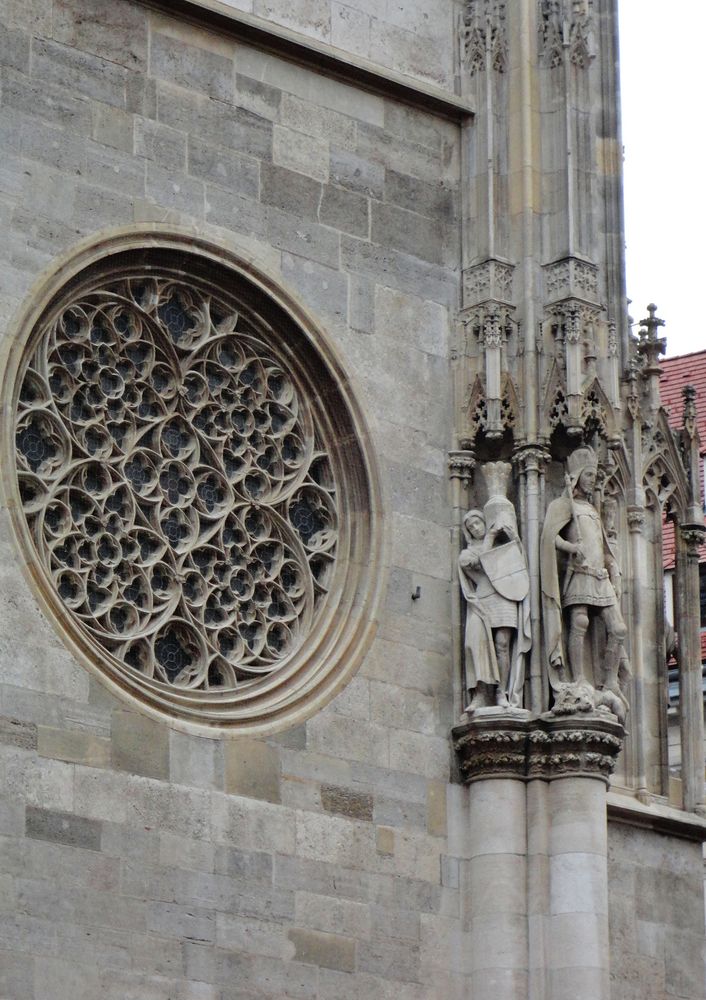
484,36
693,536
461,466
636,519
568,747
493,745
489,280
571,278
517,745
532,459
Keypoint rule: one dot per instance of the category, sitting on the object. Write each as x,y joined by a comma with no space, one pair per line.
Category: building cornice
658,817
315,55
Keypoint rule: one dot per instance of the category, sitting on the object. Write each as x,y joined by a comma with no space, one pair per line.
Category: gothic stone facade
430,193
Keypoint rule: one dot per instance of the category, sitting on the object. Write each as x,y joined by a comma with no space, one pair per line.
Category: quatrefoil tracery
174,483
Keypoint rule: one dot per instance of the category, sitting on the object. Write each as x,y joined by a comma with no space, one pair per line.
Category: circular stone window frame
345,622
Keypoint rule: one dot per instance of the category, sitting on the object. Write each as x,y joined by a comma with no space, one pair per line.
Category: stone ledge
658,817
319,56
499,744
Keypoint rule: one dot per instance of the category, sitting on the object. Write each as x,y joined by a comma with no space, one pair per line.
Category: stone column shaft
497,891
636,520
691,712
537,886
537,899
577,925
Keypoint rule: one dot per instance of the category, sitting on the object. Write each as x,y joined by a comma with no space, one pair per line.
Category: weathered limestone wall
414,37
335,860
656,915
324,862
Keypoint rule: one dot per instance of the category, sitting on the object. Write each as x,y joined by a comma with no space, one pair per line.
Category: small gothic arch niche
597,416
497,445
193,485
483,36
663,474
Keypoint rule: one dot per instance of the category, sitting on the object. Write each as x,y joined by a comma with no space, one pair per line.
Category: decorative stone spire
650,346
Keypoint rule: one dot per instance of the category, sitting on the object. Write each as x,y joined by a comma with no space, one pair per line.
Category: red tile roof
687,369
669,552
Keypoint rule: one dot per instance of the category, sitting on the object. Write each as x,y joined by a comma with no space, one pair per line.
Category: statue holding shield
495,585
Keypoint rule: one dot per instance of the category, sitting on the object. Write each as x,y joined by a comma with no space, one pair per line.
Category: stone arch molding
195,495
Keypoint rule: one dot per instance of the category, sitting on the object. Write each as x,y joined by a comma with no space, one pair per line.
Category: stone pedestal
538,886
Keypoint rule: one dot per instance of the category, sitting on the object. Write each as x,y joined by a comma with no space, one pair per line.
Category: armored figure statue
581,578
495,585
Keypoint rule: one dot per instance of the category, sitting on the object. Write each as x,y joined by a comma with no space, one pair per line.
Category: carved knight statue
495,584
581,579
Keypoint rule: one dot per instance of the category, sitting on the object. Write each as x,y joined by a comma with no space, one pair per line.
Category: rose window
177,482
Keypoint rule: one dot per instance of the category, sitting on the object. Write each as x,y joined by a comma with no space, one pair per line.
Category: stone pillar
461,466
532,463
636,522
492,751
577,929
498,889
576,755
538,887
689,537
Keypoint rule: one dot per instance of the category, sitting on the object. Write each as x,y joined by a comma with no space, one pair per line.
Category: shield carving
506,569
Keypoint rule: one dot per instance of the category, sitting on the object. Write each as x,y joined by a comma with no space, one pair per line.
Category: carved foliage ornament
513,745
566,25
491,279
483,36
178,490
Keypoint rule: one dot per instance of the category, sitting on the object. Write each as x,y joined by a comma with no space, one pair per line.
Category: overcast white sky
663,73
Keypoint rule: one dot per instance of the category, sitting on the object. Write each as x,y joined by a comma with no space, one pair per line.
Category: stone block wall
656,915
412,37
330,861
323,862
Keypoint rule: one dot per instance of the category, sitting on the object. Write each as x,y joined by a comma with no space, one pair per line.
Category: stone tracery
175,486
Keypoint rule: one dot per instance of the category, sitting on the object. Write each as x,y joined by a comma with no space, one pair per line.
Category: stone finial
650,345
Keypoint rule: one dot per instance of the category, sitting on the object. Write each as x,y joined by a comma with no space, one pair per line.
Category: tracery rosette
174,482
